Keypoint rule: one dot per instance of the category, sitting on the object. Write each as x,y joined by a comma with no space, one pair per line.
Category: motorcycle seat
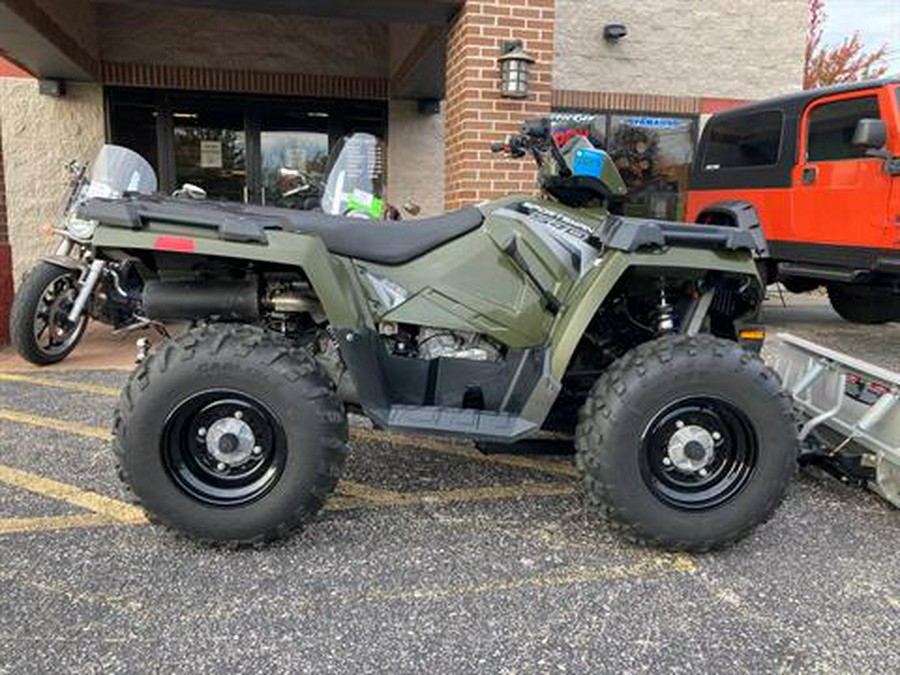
387,242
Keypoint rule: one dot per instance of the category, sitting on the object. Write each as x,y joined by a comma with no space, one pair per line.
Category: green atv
494,323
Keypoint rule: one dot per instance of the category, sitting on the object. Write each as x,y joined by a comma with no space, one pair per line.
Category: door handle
808,175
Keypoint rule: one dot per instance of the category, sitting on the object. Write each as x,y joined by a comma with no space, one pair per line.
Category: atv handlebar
535,138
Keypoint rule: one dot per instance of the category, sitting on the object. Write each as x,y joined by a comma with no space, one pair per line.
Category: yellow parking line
459,450
66,426
44,523
365,435
652,566
112,509
382,497
60,384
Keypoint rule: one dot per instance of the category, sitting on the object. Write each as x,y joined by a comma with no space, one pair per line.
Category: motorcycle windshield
117,170
355,185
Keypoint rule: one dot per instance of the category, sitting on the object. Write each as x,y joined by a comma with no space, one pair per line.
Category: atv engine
434,343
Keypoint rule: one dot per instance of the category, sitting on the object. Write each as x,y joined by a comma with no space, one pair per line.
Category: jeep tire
687,443
230,434
865,304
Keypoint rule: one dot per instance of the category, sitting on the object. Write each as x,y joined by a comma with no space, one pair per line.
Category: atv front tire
38,325
864,304
230,434
687,443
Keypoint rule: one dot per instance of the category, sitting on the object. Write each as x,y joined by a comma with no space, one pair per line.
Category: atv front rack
850,411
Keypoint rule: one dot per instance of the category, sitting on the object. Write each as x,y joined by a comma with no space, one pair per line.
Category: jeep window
831,128
744,140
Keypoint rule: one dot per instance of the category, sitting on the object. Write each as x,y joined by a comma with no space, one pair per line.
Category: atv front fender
591,292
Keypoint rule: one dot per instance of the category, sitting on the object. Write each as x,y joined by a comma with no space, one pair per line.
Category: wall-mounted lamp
614,31
515,70
54,88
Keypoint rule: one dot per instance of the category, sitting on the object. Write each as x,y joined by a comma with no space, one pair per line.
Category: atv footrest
477,424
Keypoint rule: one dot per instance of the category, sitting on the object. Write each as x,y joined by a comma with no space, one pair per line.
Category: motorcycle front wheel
39,327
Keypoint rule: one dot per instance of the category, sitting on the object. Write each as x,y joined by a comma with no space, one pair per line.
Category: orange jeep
819,170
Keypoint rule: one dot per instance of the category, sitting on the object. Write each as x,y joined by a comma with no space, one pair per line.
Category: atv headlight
80,228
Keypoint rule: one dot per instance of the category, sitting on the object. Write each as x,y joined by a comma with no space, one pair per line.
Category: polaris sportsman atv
492,323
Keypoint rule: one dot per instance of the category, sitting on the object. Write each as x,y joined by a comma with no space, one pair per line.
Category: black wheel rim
54,334
698,453
224,447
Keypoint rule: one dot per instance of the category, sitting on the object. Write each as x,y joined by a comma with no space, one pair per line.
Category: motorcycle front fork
88,284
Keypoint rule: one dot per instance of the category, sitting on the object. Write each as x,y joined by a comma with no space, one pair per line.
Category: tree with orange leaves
848,62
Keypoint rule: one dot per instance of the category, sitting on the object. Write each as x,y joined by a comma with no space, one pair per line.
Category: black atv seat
379,241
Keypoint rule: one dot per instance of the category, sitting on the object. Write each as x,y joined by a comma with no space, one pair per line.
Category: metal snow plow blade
850,411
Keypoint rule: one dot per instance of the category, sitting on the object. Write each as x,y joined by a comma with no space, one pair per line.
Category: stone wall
39,135
415,157
242,41
744,49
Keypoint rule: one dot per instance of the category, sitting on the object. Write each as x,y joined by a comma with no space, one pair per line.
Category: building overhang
33,37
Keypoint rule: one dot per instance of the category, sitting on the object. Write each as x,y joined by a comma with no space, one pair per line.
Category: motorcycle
65,290
60,294
494,323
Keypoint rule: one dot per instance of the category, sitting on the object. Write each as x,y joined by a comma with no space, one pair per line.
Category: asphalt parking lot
432,558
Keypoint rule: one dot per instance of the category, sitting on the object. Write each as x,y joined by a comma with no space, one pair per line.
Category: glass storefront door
263,150
211,152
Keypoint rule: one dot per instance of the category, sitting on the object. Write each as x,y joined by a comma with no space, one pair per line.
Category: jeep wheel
687,443
230,434
865,304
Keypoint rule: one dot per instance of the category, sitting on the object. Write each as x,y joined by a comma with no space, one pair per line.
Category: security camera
614,31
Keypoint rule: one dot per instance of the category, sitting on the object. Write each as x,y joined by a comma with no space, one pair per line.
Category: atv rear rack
850,411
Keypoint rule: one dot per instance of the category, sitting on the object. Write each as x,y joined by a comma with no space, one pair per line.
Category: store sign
656,122
210,154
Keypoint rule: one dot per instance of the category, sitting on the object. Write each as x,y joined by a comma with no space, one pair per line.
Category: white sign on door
210,154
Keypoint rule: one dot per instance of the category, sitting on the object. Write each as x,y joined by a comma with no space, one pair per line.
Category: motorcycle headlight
80,228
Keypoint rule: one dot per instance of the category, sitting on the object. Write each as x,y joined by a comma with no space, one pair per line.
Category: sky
878,21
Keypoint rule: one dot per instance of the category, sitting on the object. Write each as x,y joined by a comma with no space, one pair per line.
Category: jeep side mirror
870,133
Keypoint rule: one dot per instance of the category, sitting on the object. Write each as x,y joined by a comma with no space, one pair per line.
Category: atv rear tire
865,304
38,326
687,443
230,434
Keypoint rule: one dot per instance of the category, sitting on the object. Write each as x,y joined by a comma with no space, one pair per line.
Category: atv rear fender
333,284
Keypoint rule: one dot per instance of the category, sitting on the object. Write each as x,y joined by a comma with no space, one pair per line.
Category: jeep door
841,194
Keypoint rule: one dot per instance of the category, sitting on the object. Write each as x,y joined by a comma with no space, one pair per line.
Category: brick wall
476,115
6,275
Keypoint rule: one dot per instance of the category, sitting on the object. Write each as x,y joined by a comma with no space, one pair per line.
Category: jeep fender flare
736,213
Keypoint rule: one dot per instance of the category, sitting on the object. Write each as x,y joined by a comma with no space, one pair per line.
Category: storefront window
654,156
652,153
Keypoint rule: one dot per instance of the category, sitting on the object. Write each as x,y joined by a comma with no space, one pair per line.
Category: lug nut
716,436
679,424
238,415
201,432
703,473
221,466
257,450
666,461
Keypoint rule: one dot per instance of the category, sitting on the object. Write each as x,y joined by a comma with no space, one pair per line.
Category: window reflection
653,154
